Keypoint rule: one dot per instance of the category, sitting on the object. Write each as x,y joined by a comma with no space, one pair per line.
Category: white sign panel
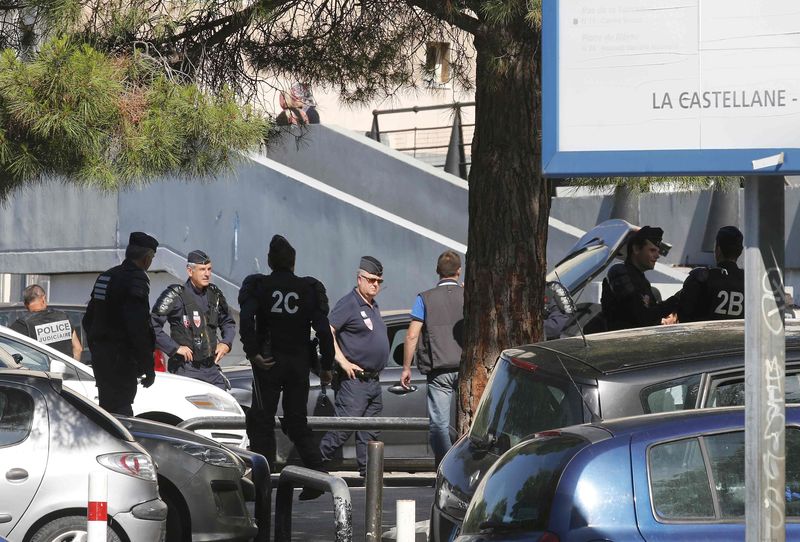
689,75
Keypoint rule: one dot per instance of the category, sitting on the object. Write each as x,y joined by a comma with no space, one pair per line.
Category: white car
171,399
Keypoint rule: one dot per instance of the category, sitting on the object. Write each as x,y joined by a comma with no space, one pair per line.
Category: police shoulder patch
167,299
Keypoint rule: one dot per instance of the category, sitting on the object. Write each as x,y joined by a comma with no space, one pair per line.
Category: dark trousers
211,374
289,377
116,378
354,398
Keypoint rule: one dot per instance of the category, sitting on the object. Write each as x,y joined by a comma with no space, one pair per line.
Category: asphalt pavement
313,521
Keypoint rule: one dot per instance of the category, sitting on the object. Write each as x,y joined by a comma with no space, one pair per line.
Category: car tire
178,529
68,529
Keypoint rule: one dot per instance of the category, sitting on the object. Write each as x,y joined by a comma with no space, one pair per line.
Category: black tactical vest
443,330
198,326
50,327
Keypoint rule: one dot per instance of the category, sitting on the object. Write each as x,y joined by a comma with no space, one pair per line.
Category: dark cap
650,233
730,238
141,239
198,257
371,265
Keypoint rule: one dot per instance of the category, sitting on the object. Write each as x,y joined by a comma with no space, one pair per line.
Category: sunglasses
372,280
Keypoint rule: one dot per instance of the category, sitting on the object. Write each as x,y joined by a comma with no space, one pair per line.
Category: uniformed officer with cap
716,293
49,326
362,349
197,312
118,329
278,312
628,300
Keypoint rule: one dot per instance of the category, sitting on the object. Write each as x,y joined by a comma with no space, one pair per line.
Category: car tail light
524,364
133,464
158,361
548,537
553,433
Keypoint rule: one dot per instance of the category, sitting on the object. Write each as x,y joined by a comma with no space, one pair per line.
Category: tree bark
508,208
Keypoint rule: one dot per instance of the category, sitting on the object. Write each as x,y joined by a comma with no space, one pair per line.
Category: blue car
676,476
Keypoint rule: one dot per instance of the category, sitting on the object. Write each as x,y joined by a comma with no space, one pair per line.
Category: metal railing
451,155
315,423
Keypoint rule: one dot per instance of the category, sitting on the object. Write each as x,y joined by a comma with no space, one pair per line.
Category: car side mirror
17,358
58,367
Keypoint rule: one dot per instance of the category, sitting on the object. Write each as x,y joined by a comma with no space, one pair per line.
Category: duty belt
200,363
366,376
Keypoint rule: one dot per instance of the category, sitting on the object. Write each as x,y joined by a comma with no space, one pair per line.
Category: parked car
676,476
11,312
171,399
51,438
576,380
404,450
203,482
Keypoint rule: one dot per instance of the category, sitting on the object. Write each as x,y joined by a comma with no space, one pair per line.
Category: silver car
50,440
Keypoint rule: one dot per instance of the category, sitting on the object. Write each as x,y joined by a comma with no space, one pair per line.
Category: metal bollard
97,511
292,477
374,512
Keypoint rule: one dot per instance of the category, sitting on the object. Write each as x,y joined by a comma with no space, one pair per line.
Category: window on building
437,64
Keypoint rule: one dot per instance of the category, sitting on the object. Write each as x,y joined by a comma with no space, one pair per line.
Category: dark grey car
549,385
404,450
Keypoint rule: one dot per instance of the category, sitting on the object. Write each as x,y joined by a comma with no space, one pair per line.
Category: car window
730,391
678,394
521,401
16,416
397,346
37,360
679,481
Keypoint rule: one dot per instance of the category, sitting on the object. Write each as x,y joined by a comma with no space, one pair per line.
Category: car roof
646,347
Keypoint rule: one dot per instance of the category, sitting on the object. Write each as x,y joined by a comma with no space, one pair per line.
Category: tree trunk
508,208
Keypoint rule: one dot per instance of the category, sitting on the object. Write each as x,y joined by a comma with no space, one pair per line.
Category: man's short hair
32,293
281,255
730,241
136,252
448,264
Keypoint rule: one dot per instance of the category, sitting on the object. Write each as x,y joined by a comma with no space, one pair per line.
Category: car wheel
177,516
68,529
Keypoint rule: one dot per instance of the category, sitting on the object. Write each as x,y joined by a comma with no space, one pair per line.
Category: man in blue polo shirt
362,348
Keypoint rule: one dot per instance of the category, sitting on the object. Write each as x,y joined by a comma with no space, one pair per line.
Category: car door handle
5,518
398,389
16,475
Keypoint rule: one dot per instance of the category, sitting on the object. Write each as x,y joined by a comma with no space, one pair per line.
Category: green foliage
647,184
112,122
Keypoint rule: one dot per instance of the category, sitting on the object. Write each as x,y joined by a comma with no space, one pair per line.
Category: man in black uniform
117,325
716,293
627,298
196,311
47,325
277,313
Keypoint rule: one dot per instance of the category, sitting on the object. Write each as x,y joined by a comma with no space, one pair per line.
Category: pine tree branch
448,13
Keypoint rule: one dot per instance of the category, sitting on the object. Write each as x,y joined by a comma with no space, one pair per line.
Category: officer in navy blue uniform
117,325
362,349
628,300
716,293
196,311
277,313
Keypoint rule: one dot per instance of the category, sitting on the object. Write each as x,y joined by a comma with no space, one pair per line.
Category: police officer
628,300
438,317
117,325
716,293
46,325
277,313
196,312
362,349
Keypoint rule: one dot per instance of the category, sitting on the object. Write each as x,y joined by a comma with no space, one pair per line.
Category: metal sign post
765,359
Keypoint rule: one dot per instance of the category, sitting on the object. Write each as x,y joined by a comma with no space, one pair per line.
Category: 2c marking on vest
285,303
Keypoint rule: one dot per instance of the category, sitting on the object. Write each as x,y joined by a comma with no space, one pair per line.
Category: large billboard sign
671,87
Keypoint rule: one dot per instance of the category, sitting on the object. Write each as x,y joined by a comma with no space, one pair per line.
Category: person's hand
263,363
405,378
669,320
325,377
185,351
222,350
148,379
350,369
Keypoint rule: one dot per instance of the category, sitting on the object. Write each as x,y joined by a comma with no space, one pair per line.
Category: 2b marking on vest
53,332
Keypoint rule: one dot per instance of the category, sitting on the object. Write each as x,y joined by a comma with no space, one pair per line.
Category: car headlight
212,455
224,403
133,464
449,500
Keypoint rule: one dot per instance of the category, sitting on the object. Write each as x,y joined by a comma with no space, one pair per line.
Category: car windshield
518,492
520,400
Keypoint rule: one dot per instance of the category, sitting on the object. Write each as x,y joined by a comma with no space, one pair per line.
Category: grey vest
443,329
